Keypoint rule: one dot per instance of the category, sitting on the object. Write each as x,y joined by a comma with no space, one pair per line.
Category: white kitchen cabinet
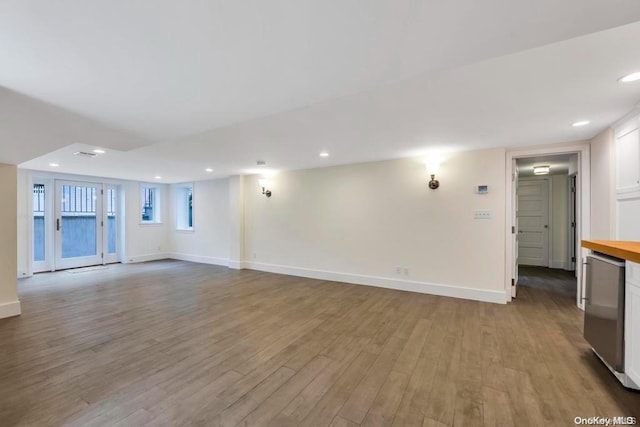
628,157
632,322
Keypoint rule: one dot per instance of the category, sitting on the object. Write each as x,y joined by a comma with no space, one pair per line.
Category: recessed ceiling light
54,165
630,77
541,170
208,170
158,177
324,154
580,123
98,151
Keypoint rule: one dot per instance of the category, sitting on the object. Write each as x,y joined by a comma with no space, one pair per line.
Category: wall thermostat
482,189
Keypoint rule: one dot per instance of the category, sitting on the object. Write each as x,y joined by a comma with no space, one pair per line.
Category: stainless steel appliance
604,309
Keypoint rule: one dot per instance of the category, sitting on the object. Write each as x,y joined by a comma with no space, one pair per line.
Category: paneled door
533,222
78,224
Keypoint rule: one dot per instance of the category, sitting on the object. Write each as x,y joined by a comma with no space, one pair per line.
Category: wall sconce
432,169
264,183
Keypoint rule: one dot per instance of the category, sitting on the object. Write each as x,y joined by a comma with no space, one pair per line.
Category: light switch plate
482,214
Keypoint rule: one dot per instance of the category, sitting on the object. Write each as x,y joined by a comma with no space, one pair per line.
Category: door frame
583,210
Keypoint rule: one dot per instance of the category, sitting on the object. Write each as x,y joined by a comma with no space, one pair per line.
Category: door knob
546,226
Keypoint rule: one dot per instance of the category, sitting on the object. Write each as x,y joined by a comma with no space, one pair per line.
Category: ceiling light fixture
541,170
158,177
208,170
630,77
580,123
54,165
324,154
98,151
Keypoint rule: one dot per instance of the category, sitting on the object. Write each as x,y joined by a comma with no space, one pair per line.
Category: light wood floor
548,279
172,342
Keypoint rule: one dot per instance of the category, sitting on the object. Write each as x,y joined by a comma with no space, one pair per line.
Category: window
184,207
150,204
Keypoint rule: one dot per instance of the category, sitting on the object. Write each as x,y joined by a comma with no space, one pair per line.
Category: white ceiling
221,84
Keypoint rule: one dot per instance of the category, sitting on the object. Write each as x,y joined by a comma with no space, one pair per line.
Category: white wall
9,304
360,222
559,222
145,242
602,185
23,224
209,241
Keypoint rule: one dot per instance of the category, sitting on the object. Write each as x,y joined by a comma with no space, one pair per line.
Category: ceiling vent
84,154
261,163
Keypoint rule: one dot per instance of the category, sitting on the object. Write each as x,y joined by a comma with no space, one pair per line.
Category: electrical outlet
398,270
254,255
405,271
482,214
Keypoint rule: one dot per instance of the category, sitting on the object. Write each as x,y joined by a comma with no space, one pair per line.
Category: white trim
583,209
199,259
384,282
146,257
237,265
9,309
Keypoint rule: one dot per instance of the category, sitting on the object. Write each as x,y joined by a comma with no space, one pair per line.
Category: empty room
319,213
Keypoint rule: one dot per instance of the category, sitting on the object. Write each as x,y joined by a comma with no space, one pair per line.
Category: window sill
149,224
185,230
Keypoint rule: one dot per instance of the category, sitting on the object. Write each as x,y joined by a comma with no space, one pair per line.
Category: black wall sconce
263,184
432,170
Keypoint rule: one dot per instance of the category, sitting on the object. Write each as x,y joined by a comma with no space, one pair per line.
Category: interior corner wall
602,185
208,242
9,304
24,267
144,242
378,223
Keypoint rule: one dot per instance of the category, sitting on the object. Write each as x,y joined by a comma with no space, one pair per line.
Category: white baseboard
237,265
384,282
144,258
200,259
9,309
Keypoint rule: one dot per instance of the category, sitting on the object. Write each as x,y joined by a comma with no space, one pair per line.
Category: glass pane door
111,224
78,224
42,236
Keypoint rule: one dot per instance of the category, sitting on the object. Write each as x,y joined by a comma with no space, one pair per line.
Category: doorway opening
548,210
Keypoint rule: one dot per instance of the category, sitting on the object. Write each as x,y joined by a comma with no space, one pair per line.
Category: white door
78,224
514,229
533,222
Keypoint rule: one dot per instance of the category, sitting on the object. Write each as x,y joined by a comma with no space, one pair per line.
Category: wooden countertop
617,248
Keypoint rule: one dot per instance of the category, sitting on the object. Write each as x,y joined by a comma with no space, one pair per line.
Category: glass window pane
38,222
111,221
79,224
